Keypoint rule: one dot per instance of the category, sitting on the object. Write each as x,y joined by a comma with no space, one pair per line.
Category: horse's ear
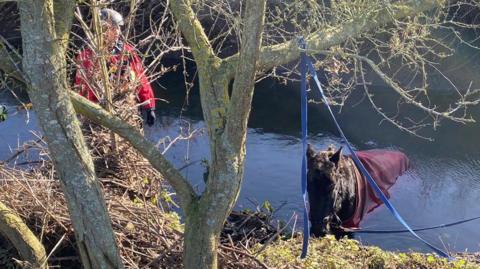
310,152
336,157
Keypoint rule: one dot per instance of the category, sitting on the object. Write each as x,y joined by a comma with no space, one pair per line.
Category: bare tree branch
213,83
97,114
243,86
10,63
409,98
280,54
411,131
25,242
193,32
63,21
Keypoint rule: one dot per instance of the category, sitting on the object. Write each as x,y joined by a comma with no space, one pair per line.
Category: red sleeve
144,91
84,67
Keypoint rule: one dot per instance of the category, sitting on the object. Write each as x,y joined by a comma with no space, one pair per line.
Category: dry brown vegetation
149,233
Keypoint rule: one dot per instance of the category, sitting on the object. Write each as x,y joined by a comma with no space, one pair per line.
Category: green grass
346,253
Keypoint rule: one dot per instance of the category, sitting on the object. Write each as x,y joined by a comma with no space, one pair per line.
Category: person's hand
150,116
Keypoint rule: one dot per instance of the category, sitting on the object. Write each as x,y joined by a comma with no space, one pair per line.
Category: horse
339,196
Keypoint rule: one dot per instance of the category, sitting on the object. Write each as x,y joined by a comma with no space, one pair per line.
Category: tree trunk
227,128
200,243
45,68
205,217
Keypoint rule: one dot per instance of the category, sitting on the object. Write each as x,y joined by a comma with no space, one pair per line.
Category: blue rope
303,86
358,163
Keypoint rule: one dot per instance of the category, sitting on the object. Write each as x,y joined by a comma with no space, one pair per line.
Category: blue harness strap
306,61
303,102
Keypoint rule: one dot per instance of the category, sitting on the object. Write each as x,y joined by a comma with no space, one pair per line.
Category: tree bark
44,67
227,120
200,241
24,241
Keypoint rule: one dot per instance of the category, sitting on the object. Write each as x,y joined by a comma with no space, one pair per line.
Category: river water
442,186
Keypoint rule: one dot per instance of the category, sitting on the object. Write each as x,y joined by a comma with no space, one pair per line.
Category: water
442,186
19,127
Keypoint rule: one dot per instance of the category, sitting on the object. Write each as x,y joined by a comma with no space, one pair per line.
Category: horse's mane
345,180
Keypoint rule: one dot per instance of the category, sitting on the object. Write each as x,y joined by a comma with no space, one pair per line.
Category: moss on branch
25,242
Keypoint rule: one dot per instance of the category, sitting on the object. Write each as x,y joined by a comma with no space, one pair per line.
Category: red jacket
86,69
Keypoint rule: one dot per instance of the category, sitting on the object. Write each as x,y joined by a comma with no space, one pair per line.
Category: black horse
339,195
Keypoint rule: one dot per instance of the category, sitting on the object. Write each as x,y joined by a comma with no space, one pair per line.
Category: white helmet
110,15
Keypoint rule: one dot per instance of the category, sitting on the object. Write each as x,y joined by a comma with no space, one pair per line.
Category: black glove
3,113
150,116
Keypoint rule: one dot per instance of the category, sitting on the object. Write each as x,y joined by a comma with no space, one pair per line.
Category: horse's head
324,192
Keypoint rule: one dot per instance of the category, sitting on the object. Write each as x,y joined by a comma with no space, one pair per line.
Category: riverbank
346,253
151,237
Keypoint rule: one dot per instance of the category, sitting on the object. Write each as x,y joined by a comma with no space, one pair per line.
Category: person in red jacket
126,72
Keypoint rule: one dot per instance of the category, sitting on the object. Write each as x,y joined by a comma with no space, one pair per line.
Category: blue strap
303,86
359,164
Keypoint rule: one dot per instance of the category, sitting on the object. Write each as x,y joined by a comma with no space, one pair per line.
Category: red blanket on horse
385,167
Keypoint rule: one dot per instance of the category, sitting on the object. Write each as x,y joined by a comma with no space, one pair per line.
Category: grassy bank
346,253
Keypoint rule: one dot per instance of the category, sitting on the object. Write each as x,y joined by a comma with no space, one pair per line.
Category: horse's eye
327,166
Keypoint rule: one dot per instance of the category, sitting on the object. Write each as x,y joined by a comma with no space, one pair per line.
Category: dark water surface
442,186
